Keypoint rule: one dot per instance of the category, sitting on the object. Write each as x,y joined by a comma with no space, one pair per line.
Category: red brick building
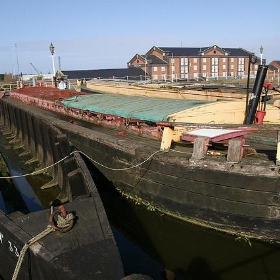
168,63
274,72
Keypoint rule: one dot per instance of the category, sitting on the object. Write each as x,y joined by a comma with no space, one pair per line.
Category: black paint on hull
241,199
88,250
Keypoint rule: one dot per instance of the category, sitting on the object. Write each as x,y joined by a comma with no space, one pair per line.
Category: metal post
145,68
52,56
253,104
261,52
172,61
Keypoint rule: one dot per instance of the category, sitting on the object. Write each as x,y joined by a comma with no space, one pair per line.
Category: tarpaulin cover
142,108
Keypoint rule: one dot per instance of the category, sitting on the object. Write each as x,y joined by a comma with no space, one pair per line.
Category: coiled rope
52,228
64,223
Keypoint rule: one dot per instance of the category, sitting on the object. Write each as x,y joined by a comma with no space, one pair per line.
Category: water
152,243
25,194
22,193
189,251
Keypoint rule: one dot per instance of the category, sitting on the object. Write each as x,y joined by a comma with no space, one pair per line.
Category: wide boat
219,175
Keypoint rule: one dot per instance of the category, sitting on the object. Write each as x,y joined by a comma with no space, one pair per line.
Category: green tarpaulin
142,108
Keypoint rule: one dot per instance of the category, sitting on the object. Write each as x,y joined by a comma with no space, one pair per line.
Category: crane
38,72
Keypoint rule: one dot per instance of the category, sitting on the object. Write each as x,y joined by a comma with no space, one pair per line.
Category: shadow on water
155,244
186,251
22,194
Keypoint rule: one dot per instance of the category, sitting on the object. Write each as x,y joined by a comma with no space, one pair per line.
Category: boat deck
261,145
134,107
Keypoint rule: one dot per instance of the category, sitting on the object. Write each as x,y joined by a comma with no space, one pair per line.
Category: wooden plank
200,147
235,149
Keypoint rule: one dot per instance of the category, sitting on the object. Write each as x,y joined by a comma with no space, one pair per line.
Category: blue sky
107,34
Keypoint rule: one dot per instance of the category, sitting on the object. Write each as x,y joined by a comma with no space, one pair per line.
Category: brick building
274,72
214,62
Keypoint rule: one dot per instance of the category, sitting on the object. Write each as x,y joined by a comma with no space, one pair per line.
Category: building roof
153,59
121,73
272,67
180,51
276,63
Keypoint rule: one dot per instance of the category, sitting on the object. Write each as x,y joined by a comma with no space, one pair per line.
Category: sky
106,34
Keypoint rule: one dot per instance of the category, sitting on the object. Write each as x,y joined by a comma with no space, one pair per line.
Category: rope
121,169
34,239
37,171
92,160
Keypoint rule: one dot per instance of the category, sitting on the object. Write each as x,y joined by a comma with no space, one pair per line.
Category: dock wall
91,239
41,139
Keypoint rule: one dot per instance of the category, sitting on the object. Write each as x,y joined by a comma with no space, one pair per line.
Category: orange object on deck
259,117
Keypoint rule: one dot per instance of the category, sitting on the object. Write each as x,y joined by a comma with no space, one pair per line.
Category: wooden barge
72,239
224,177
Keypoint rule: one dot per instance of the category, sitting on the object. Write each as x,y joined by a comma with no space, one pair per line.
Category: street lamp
145,68
52,53
261,52
172,66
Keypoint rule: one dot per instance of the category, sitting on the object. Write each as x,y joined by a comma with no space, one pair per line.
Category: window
240,68
184,69
241,60
155,68
195,60
231,66
232,59
224,66
162,69
215,61
214,69
184,61
204,59
204,67
195,68
224,59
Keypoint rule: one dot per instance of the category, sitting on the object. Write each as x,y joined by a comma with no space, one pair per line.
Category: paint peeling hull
240,198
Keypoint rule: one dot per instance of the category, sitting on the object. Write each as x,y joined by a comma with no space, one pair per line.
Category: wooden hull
85,249
238,198
241,199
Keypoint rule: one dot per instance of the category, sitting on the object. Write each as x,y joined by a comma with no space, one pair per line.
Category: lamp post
172,65
261,52
145,68
52,53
